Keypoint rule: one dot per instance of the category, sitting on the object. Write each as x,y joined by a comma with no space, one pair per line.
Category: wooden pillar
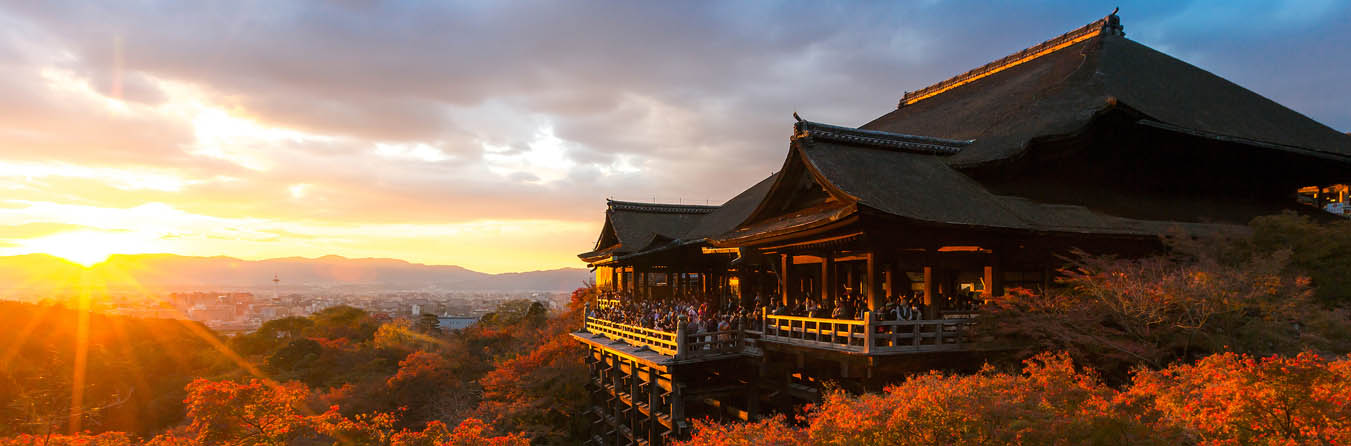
677,407
643,290
616,410
929,285
759,288
891,279
653,399
827,292
849,279
989,282
874,294
785,265
635,416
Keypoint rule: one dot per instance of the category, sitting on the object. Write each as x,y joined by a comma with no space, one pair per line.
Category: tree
516,312
1051,402
540,394
345,322
1320,251
1115,313
262,413
296,355
428,324
257,413
1235,399
400,335
78,439
430,387
1222,399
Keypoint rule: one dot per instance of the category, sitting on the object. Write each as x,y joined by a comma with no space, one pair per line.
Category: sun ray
118,328
211,339
81,355
22,335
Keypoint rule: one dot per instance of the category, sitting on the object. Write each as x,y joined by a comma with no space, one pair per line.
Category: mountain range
175,272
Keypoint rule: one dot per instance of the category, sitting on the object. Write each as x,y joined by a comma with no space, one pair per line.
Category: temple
870,251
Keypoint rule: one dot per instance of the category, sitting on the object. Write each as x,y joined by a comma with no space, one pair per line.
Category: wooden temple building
971,186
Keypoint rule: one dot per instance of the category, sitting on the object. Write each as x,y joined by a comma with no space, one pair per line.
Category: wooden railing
690,345
836,334
663,342
605,304
865,336
868,336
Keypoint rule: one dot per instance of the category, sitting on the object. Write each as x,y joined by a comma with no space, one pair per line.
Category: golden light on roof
1110,24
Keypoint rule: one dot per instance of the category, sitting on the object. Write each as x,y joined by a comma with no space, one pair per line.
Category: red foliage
103,439
1116,314
255,413
1231,399
1224,399
540,393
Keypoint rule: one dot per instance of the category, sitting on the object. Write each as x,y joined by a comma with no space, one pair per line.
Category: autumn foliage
261,413
1208,296
1224,399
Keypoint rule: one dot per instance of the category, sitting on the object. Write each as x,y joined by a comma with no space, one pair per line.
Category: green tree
428,324
1322,251
342,321
516,312
295,356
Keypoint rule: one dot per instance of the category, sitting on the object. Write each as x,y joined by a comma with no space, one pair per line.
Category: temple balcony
854,337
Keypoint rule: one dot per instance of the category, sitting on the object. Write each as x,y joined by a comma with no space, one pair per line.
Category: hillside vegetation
1235,341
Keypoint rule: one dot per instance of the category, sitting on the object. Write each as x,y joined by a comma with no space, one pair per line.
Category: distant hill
168,271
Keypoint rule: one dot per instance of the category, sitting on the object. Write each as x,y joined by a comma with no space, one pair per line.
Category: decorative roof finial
1112,24
796,117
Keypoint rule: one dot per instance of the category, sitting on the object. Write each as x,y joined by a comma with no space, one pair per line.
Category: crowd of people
701,313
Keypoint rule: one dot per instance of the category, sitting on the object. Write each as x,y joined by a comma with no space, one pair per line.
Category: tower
275,283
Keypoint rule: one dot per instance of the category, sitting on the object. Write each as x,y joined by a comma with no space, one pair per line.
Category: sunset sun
89,247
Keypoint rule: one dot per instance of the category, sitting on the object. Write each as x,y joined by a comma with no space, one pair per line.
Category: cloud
427,113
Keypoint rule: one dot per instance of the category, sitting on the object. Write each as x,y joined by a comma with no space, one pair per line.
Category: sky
489,134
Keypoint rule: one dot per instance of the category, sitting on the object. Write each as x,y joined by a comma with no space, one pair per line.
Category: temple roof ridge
1109,25
662,208
877,138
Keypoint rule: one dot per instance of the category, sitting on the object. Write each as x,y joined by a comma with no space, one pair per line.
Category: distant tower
275,283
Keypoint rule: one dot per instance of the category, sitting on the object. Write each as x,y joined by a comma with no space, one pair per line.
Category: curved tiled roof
632,226
1007,104
923,188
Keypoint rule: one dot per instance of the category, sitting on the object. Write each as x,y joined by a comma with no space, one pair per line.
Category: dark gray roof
632,226
1057,89
873,138
924,188
731,213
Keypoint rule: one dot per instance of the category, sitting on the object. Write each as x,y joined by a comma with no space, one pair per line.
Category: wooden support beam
995,277
874,295
654,404
891,290
827,288
929,285
849,279
641,290
989,282
633,399
785,266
